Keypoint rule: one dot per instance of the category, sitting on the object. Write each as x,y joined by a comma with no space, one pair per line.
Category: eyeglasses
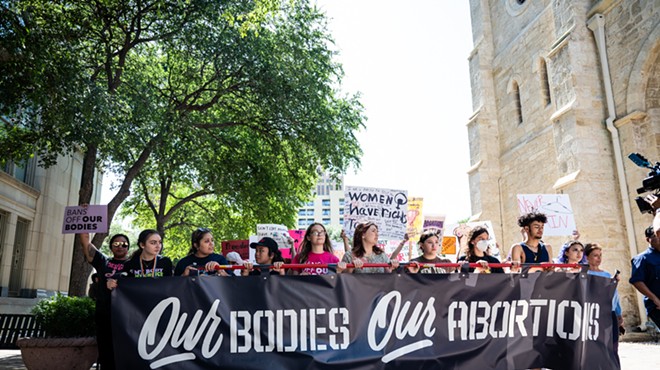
120,245
317,233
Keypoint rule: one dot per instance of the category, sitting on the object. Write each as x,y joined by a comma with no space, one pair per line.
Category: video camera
651,183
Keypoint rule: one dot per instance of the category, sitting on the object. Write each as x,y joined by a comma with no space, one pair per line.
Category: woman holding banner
316,249
201,255
266,252
594,253
365,250
429,243
571,252
146,261
477,251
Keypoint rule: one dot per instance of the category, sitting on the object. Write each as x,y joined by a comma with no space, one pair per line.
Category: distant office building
327,207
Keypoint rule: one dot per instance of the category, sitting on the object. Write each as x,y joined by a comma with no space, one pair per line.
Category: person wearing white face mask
478,251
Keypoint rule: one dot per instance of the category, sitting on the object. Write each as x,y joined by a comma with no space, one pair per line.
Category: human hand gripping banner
553,320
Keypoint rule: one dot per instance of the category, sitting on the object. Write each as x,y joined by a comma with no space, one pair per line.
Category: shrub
65,317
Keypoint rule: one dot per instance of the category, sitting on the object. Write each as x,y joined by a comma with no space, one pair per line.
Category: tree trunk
80,269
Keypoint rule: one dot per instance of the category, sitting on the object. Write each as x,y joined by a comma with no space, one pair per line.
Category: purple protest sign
90,219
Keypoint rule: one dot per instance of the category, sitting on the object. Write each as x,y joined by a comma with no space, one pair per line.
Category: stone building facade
35,257
562,92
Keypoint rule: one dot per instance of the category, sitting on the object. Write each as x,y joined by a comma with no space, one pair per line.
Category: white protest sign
279,233
386,208
252,252
89,219
557,207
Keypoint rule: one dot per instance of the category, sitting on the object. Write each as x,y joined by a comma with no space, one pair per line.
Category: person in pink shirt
316,249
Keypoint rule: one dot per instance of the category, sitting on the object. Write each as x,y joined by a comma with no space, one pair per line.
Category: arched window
517,103
545,83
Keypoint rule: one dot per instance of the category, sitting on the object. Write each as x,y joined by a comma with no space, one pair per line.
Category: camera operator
645,276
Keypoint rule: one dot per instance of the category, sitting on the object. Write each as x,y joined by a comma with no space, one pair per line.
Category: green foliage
221,111
64,317
254,155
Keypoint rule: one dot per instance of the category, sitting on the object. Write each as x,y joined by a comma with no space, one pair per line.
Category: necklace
153,270
535,254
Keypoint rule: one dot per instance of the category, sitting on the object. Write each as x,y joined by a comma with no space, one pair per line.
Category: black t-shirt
433,270
486,258
199,261
140,268
106,268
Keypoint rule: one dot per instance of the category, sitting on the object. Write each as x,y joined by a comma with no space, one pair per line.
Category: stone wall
562,134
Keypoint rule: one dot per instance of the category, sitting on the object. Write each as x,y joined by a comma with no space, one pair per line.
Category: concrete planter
58,353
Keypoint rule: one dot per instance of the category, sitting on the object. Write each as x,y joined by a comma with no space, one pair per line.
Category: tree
120,80
261,166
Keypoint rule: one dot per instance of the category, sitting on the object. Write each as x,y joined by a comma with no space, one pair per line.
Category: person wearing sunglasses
106,267
316,249
201,256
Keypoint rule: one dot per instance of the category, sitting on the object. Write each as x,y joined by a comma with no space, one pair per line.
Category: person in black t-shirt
146,261
201,255
267,252
429,243
106,268
478,251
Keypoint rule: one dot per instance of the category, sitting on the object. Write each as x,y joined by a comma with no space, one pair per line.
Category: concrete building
327,207
562,92
35,257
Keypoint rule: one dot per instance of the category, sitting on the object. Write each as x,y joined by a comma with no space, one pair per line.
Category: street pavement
634,355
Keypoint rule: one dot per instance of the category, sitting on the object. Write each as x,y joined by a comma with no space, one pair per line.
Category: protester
477,251
316,249
266,252
365,250
594,255
146,261
645,276
533,250
234,259
429,243
201,256
571,252
106,268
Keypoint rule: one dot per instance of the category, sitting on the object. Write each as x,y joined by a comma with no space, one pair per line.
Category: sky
408,60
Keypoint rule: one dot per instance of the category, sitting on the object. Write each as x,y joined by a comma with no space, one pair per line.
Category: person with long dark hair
366,250
572,252
146,262
478,251
106,268
201,255
316,249
429,243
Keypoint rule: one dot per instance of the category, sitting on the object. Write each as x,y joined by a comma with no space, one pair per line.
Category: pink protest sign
89,219
297,236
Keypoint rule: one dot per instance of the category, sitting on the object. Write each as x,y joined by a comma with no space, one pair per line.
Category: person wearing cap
234,259
267,252
201,256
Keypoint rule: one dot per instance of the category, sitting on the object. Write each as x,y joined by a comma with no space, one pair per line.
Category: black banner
380,321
